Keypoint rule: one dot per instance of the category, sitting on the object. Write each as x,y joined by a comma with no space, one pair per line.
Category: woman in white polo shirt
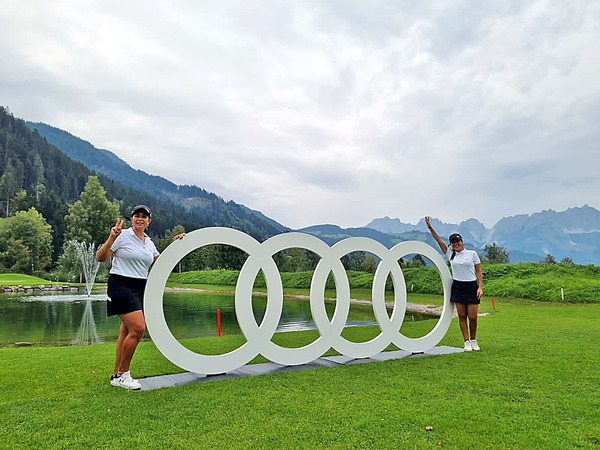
132,252
467,284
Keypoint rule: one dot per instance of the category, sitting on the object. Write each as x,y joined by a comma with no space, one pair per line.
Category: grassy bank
13,279
291,280
533,385
542,282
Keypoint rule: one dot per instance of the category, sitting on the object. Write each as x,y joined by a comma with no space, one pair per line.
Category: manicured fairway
19,278
535,384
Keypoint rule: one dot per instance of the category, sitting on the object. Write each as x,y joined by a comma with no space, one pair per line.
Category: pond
66,319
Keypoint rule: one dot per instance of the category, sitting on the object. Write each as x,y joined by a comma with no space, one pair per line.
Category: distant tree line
26,244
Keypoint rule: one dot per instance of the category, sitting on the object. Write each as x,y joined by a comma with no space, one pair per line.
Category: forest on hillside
37,176
192,198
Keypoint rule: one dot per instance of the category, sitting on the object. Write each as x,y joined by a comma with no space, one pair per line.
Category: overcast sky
326,111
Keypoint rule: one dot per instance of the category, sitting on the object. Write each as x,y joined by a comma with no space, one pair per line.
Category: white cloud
334,112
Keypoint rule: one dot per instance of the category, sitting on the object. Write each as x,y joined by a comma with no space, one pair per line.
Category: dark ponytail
453,255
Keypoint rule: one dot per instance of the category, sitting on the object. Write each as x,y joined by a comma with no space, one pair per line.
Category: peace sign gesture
428,221
116,230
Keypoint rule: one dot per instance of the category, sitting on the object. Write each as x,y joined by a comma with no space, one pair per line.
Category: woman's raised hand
116,230
179,236
427,222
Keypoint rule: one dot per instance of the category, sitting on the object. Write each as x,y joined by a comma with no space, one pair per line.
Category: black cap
143,208
455,236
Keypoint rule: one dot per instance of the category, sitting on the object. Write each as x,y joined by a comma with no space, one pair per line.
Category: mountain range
573,233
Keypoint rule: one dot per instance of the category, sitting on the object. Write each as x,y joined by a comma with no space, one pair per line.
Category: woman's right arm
104,253
436,236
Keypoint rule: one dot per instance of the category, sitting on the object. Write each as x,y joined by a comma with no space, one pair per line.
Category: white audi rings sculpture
258,337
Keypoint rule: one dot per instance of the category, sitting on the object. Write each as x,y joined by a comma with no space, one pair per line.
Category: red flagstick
493,304
219,321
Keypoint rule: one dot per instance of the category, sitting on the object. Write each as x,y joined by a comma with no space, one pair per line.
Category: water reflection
55,319
200,314
63,319
87,334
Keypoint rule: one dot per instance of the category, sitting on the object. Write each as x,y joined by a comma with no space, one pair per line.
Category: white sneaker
474,345
468,346
125,381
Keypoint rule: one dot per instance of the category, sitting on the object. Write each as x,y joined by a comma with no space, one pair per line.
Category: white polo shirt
132,257
463,264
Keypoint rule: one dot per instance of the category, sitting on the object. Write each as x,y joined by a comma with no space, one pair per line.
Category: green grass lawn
535,384
16,279
9,279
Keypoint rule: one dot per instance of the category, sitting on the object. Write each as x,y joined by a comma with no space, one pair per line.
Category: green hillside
49,181
196,199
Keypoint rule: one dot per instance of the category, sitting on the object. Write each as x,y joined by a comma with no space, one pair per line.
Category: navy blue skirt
464,292
125,294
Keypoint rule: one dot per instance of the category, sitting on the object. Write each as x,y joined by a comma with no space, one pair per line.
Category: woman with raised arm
467,284
132,252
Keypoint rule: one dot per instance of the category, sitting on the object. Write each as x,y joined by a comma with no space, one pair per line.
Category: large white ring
258,337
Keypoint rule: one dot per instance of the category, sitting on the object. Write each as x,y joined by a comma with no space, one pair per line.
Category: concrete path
180,379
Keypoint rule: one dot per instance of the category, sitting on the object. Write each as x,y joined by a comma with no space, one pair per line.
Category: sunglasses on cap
455,237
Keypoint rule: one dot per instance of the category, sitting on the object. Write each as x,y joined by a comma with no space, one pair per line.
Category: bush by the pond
525,280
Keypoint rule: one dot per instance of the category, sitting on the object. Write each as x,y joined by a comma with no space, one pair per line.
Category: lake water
61,319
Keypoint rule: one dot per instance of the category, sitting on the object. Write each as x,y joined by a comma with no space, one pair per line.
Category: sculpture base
180,379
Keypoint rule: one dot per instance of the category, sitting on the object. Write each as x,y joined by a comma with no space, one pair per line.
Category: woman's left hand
479,293
179,236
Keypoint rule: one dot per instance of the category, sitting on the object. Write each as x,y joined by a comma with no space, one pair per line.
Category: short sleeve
476,259
449,252
155,252
118,243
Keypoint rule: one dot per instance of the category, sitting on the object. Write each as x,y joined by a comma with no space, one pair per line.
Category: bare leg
122,336
134,325
461,310
472,311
